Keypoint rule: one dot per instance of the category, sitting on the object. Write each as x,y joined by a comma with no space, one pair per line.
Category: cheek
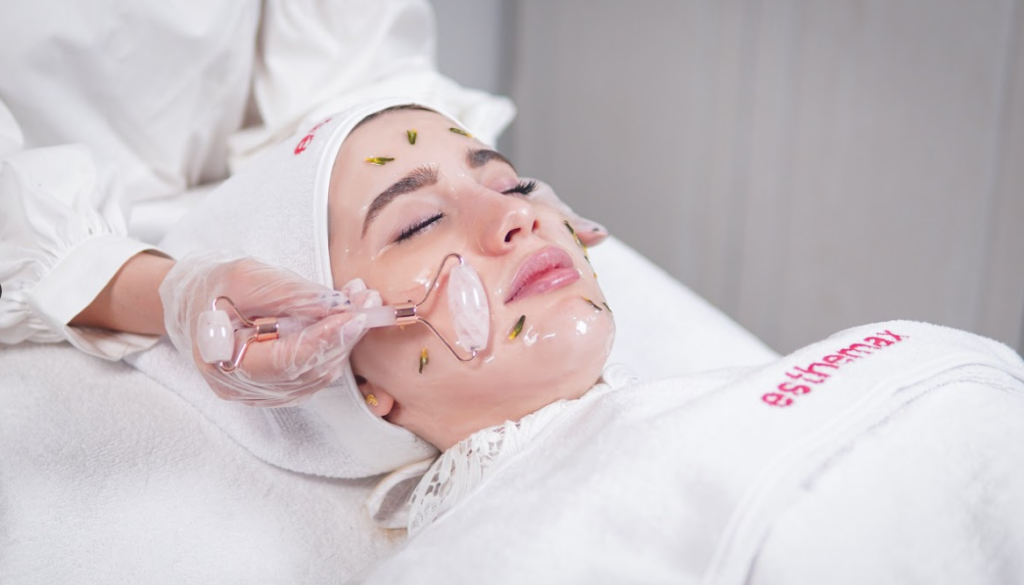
391,358
385,351
403,272
347,262
567,331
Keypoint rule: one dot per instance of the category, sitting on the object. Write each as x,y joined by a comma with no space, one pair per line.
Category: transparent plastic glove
590,232
280,372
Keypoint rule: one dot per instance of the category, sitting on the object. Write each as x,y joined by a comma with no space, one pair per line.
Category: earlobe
378,400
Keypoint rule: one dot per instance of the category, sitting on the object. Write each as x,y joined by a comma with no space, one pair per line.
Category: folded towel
908,434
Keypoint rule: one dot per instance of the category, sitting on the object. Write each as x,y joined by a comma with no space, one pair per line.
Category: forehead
393,142
392,125
355,181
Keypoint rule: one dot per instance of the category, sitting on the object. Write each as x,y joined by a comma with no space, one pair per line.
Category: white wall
805,165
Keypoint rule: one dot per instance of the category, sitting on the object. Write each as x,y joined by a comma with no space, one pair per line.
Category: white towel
912,437
107,477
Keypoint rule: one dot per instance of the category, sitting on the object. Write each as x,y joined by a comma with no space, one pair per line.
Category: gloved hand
278,372
590,232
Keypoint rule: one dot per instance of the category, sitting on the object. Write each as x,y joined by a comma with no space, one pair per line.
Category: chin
563,347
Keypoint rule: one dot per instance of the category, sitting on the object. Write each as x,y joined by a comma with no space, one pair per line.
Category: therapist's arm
63,239
130,302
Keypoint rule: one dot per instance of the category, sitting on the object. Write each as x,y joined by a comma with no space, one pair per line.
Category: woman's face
392,225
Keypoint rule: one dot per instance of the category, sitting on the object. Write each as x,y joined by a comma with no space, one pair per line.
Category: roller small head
215,337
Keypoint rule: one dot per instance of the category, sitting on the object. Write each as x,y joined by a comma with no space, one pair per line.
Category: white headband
286,189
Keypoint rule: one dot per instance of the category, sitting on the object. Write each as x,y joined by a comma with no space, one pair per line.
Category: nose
504,221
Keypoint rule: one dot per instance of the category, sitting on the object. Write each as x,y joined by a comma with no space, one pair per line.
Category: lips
543,271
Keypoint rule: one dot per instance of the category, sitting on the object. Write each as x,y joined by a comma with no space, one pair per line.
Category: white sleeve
62,238
316,58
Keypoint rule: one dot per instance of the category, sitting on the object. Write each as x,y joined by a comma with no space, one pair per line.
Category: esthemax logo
301,146
806,380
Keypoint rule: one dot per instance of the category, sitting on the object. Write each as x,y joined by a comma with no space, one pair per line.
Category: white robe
107,107
894,455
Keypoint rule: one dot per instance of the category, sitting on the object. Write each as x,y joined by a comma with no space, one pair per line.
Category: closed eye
416,229
522,188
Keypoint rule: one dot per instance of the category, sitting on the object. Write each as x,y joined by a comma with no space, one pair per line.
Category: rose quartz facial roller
467,303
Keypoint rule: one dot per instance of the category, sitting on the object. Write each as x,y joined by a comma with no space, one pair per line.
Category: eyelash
415,229
522,188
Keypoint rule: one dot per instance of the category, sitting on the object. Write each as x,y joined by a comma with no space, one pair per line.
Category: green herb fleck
379,160
423,359
592,304
412,135
517,329
461,131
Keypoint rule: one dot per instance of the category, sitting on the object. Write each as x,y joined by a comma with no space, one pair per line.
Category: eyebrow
426,176
478,158
417,179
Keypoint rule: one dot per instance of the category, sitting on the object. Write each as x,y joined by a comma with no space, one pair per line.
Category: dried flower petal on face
371,400
576,237
592,304
461,131
568,226
423,359
411,134
517,329
379,160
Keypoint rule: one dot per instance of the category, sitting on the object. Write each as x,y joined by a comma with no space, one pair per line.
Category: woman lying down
892,452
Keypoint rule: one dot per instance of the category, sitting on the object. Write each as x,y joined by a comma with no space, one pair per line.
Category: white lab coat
106,106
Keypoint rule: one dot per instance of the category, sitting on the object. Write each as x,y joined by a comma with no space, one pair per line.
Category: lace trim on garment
460,469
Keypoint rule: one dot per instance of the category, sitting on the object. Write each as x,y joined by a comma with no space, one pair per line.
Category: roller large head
468,305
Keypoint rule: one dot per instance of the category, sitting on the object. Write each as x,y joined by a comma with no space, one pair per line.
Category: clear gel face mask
467,302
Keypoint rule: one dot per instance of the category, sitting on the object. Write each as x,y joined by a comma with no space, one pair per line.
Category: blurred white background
805,165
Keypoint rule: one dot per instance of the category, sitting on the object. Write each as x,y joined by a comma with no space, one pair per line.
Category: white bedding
664,329
904,463
105,476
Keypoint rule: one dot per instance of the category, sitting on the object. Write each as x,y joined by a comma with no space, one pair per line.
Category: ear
384,400
590,232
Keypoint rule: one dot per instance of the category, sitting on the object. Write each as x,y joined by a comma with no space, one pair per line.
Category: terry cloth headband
334,433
